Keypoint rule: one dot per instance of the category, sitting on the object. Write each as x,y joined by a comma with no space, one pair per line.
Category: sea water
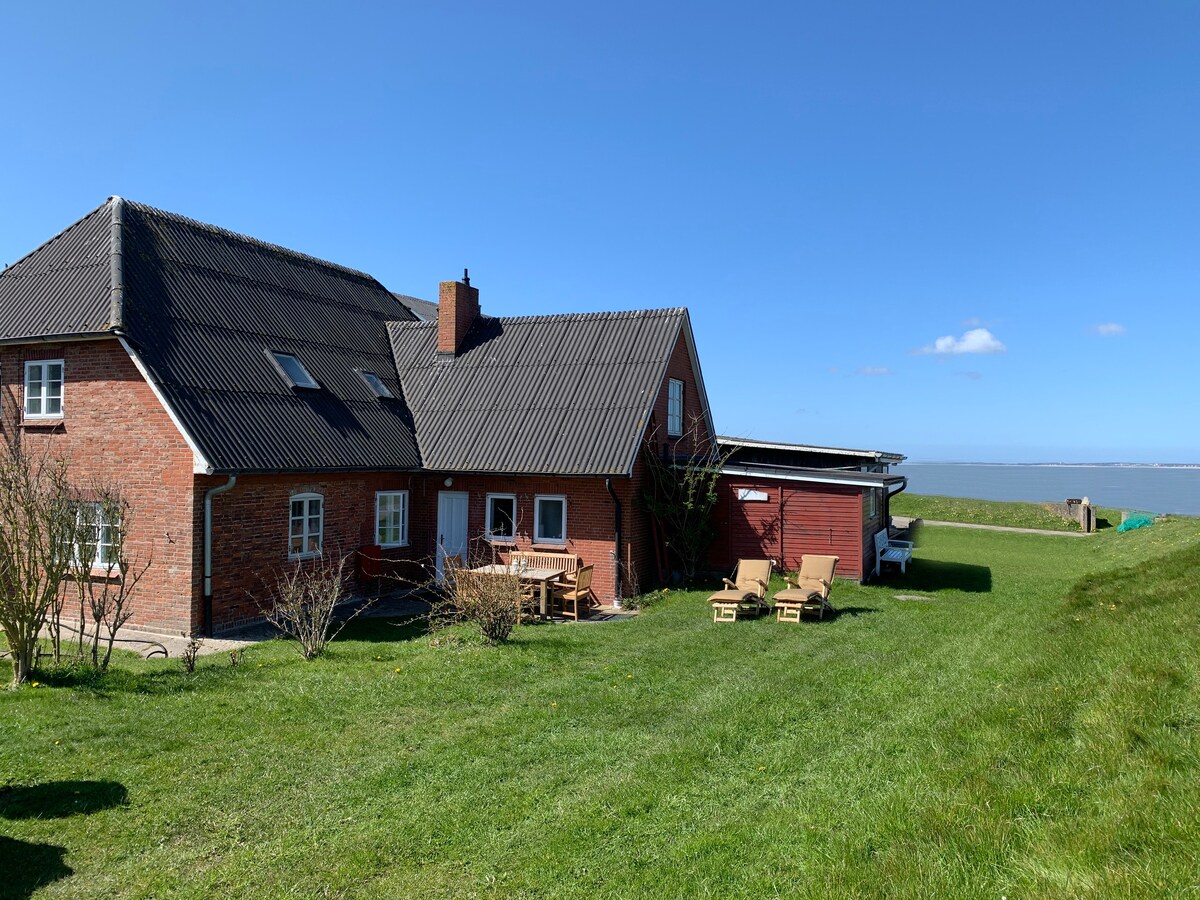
1144,488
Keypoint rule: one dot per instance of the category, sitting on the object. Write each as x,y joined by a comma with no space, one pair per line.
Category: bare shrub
491,602
190,651
105,576
302,599
36,523
682,496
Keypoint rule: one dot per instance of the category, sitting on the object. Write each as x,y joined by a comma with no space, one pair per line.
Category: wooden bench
533,559
893,551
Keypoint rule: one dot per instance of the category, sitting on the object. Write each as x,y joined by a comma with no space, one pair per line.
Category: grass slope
991,512
1028,729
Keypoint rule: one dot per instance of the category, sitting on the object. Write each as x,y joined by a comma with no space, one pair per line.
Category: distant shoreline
1062,465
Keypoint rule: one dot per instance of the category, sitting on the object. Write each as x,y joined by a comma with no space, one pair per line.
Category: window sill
42,423
506,541
549,545
392,546
316,554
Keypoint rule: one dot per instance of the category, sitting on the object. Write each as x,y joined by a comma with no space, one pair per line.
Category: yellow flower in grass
395,670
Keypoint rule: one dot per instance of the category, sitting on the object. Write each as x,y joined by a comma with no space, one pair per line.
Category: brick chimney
458,308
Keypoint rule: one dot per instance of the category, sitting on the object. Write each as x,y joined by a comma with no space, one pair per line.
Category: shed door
451,526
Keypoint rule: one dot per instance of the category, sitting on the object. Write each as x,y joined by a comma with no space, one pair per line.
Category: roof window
292,370
373,381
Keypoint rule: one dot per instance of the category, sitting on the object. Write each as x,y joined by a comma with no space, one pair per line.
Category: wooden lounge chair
575,599
745,593
808,592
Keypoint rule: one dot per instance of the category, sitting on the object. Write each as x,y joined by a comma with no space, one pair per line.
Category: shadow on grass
60,799
851,612
941,575
385,630
28,867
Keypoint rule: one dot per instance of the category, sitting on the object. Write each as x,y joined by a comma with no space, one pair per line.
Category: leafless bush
491,602
302,599
190,651
36,521
105,575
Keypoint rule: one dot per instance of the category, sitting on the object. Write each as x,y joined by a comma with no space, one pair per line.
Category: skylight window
378,388
292,370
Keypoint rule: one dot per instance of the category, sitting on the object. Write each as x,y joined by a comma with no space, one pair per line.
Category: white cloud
973,322
974,376
873,371
1109,329
977,340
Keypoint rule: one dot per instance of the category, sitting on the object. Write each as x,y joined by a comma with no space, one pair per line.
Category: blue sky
956,231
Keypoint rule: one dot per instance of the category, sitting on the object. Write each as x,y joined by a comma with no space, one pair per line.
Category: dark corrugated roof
62,287
203,305
564,394
425,310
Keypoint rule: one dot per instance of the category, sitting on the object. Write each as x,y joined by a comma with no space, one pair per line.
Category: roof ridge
61,234
571,316
258,242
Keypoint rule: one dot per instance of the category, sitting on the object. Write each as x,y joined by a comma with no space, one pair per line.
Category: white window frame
391,497
42,397
538,537
674,408
100,527
502,538
277,357
305,519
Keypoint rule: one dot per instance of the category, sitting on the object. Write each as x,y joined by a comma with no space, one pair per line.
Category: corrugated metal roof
203,305
62,287
564,394
425,310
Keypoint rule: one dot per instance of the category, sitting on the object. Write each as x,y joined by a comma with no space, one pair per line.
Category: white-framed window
375,384
502,516
871,502
292,370
391,518
96,533
674,408
44,389
306,525
550,519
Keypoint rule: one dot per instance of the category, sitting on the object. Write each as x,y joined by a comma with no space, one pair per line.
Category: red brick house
257,405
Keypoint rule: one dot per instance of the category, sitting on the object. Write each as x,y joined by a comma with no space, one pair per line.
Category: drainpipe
208,495
617,528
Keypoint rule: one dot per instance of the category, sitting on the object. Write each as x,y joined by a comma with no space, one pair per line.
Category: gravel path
1077,534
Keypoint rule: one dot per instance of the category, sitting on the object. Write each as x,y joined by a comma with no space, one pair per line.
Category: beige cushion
793,595
732,596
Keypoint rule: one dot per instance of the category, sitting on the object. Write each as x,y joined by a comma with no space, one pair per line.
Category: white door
452,527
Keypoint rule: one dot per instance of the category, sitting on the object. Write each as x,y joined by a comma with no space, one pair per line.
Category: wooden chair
809,591
575,600
889,550
745,593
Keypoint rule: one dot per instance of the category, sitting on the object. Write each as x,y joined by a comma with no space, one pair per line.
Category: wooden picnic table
542,577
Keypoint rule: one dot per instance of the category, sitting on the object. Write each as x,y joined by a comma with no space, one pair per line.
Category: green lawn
1028,729
992,512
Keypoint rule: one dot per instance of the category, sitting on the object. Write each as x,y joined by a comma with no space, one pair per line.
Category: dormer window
293,370
373,381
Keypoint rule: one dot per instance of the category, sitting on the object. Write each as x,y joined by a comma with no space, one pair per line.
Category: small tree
682,496
302,599
104,574
37,522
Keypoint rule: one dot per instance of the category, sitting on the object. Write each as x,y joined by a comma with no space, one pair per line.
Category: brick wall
590,518
251,528
114,430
